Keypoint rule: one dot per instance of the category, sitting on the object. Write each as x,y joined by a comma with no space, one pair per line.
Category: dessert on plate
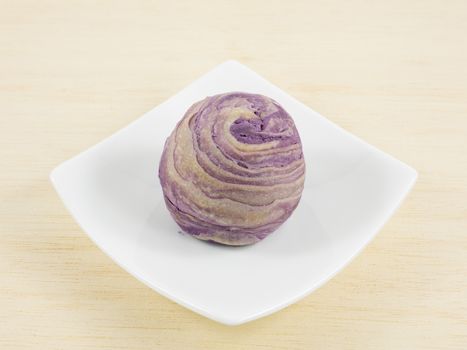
233,170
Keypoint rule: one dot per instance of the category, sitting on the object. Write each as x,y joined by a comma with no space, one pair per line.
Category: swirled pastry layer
233,171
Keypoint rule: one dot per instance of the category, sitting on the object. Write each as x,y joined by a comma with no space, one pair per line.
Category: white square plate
113,192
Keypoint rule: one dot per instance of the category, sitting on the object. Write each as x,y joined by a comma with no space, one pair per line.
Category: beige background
392,72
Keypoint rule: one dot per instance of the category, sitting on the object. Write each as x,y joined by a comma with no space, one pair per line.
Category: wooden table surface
392,72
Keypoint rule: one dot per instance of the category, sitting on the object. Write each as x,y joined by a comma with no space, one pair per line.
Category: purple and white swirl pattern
233,171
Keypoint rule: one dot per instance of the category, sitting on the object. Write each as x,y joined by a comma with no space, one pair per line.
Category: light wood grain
393,73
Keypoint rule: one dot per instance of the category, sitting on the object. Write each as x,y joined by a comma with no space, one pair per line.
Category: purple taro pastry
233,171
